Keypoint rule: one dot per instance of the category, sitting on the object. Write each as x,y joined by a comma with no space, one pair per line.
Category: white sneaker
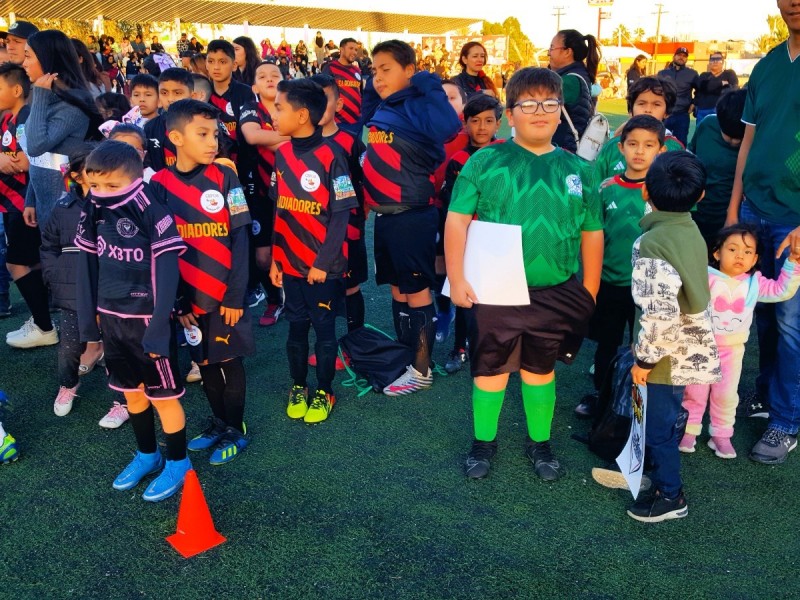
64,400
115,417
409,382
25,326
30,336
193,376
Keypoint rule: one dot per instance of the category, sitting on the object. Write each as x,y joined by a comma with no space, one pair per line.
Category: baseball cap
682,50
20,29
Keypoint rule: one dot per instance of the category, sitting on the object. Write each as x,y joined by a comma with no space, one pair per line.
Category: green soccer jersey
610,161
719,159
549,196
623,208
772,173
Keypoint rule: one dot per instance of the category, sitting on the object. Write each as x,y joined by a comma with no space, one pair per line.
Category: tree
697,360
777,33
520,46
697,332
638,34
663,289
621,33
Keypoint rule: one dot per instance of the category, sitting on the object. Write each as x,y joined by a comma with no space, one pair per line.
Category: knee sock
442,301
273,293
460,332
354,304
400,317
539,402
34,292
423,327
214,388
326,365
297,351
235,392
486,413
173,422
143,421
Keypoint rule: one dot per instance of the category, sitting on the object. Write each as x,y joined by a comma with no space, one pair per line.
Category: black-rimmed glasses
530,107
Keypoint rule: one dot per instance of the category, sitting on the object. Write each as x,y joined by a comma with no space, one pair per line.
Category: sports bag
373,359
594,136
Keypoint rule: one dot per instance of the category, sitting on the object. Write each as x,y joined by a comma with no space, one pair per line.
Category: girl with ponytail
575,57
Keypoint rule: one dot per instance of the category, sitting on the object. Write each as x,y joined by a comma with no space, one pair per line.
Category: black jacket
710,88
686,81
59,253
580,111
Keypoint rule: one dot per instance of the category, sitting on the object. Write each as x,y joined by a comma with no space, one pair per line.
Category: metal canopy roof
220,11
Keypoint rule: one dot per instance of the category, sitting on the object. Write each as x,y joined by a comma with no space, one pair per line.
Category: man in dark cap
16,37
685,80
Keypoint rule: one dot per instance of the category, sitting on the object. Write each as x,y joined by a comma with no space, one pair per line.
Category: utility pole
559,11
660,12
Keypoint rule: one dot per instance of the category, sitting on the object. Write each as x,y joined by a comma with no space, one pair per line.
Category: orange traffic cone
196,532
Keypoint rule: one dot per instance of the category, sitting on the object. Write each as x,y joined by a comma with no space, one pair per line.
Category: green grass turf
373,503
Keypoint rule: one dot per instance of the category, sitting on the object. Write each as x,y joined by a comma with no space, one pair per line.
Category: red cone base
195,532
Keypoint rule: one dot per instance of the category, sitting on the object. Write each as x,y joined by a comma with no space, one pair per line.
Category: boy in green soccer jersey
652,96
641,140
544,189
716,143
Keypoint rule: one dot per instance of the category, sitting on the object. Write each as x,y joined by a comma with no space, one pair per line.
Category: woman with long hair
472,79
90,69
575,57
63,115
247,60
638,69
267,50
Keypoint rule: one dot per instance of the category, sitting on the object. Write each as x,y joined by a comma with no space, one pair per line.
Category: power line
559,11
660,12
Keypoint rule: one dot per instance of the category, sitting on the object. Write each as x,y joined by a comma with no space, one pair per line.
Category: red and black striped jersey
209,206
348,78
452,147
396,173
13,187
354,149
161,152
308,187
255,112
127,231
230,107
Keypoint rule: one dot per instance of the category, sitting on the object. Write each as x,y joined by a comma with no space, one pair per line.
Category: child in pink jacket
736,287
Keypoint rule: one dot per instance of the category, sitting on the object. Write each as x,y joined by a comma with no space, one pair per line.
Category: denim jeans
778,331
678,124
661,437
5,276
702,113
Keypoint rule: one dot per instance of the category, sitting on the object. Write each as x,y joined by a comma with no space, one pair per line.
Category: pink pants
724,396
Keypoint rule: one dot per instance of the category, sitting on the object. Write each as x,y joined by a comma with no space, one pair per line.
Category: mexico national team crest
212,201
7,139
310,181
126,228
193,335
574,185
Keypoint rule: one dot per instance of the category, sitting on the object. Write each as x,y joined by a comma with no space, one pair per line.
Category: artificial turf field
373,503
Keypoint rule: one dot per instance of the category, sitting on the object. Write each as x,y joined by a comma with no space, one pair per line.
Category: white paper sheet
631,460
493,264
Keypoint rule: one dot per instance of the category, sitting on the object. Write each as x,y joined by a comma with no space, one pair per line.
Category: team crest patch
343,187
193,335
7,137
237,203
212,201
310,181
574,185
126,228
358,76
229,109
256,227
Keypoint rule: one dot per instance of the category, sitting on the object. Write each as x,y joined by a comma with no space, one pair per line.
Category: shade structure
218,11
